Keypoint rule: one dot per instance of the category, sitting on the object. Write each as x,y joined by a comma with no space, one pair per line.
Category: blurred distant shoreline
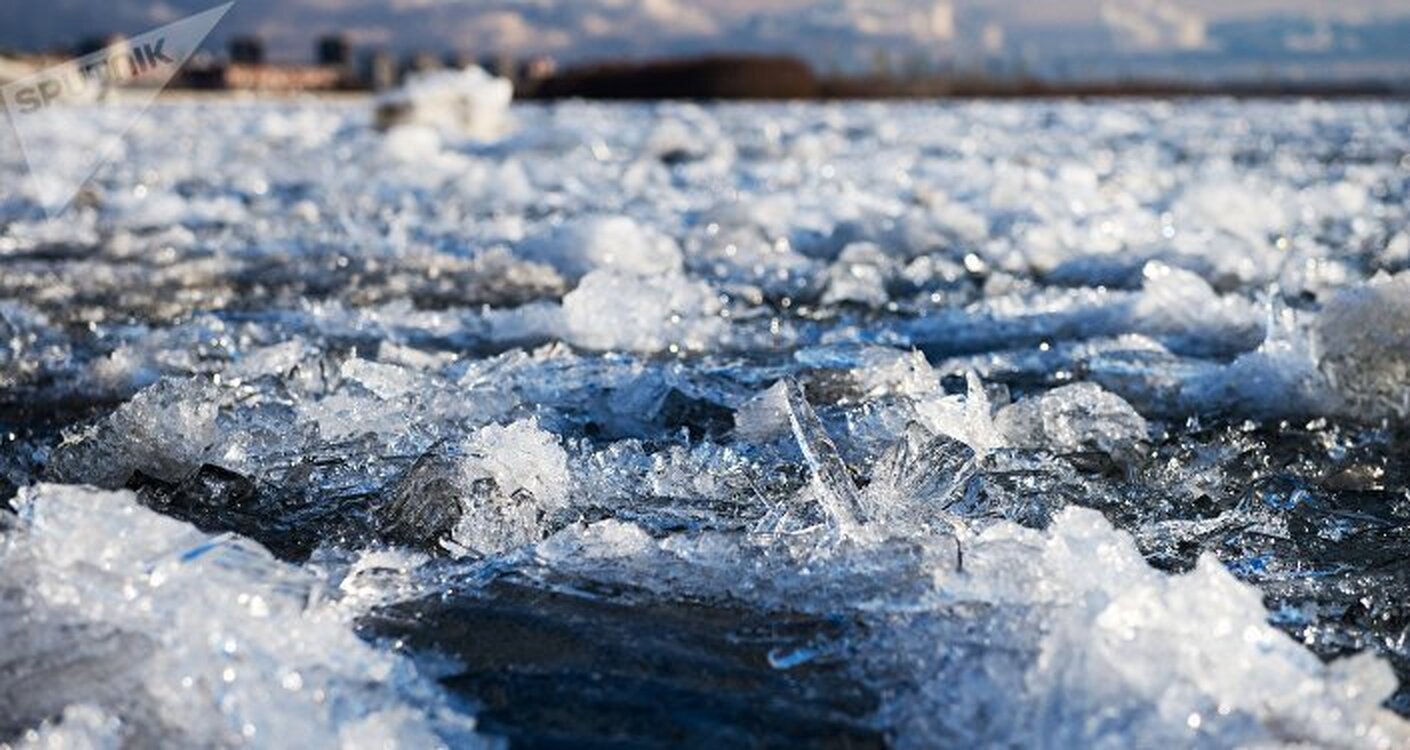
719,77
745,78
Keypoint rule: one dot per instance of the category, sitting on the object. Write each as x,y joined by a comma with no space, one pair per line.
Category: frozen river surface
1038,424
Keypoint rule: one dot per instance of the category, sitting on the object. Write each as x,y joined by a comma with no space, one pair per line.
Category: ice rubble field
1046,424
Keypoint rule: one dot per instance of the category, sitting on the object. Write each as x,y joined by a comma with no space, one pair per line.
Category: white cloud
1154,25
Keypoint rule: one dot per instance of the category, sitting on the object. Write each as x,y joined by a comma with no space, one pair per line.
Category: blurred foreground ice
154,633
1033,425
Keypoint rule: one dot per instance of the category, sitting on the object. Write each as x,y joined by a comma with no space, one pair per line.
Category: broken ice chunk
376,577
1362,340
859,275
276,359
344,415
885,371
1078,417
763,418
521,457
610,310
1279,379
188,639
380,399
387,381
583,245
470,102
502,487
1185,312
519,487
967,418
164,432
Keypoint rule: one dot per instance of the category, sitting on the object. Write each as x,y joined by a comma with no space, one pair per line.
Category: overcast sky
588,29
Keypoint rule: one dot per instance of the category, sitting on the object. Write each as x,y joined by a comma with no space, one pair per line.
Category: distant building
110,61
247,50
333,50
422,62
263,78
247,70
282,78
378,70
115,51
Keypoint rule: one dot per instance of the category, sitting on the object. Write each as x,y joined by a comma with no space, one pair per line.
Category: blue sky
839,33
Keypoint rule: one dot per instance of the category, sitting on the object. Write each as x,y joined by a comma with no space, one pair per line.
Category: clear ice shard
917,480
838,493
